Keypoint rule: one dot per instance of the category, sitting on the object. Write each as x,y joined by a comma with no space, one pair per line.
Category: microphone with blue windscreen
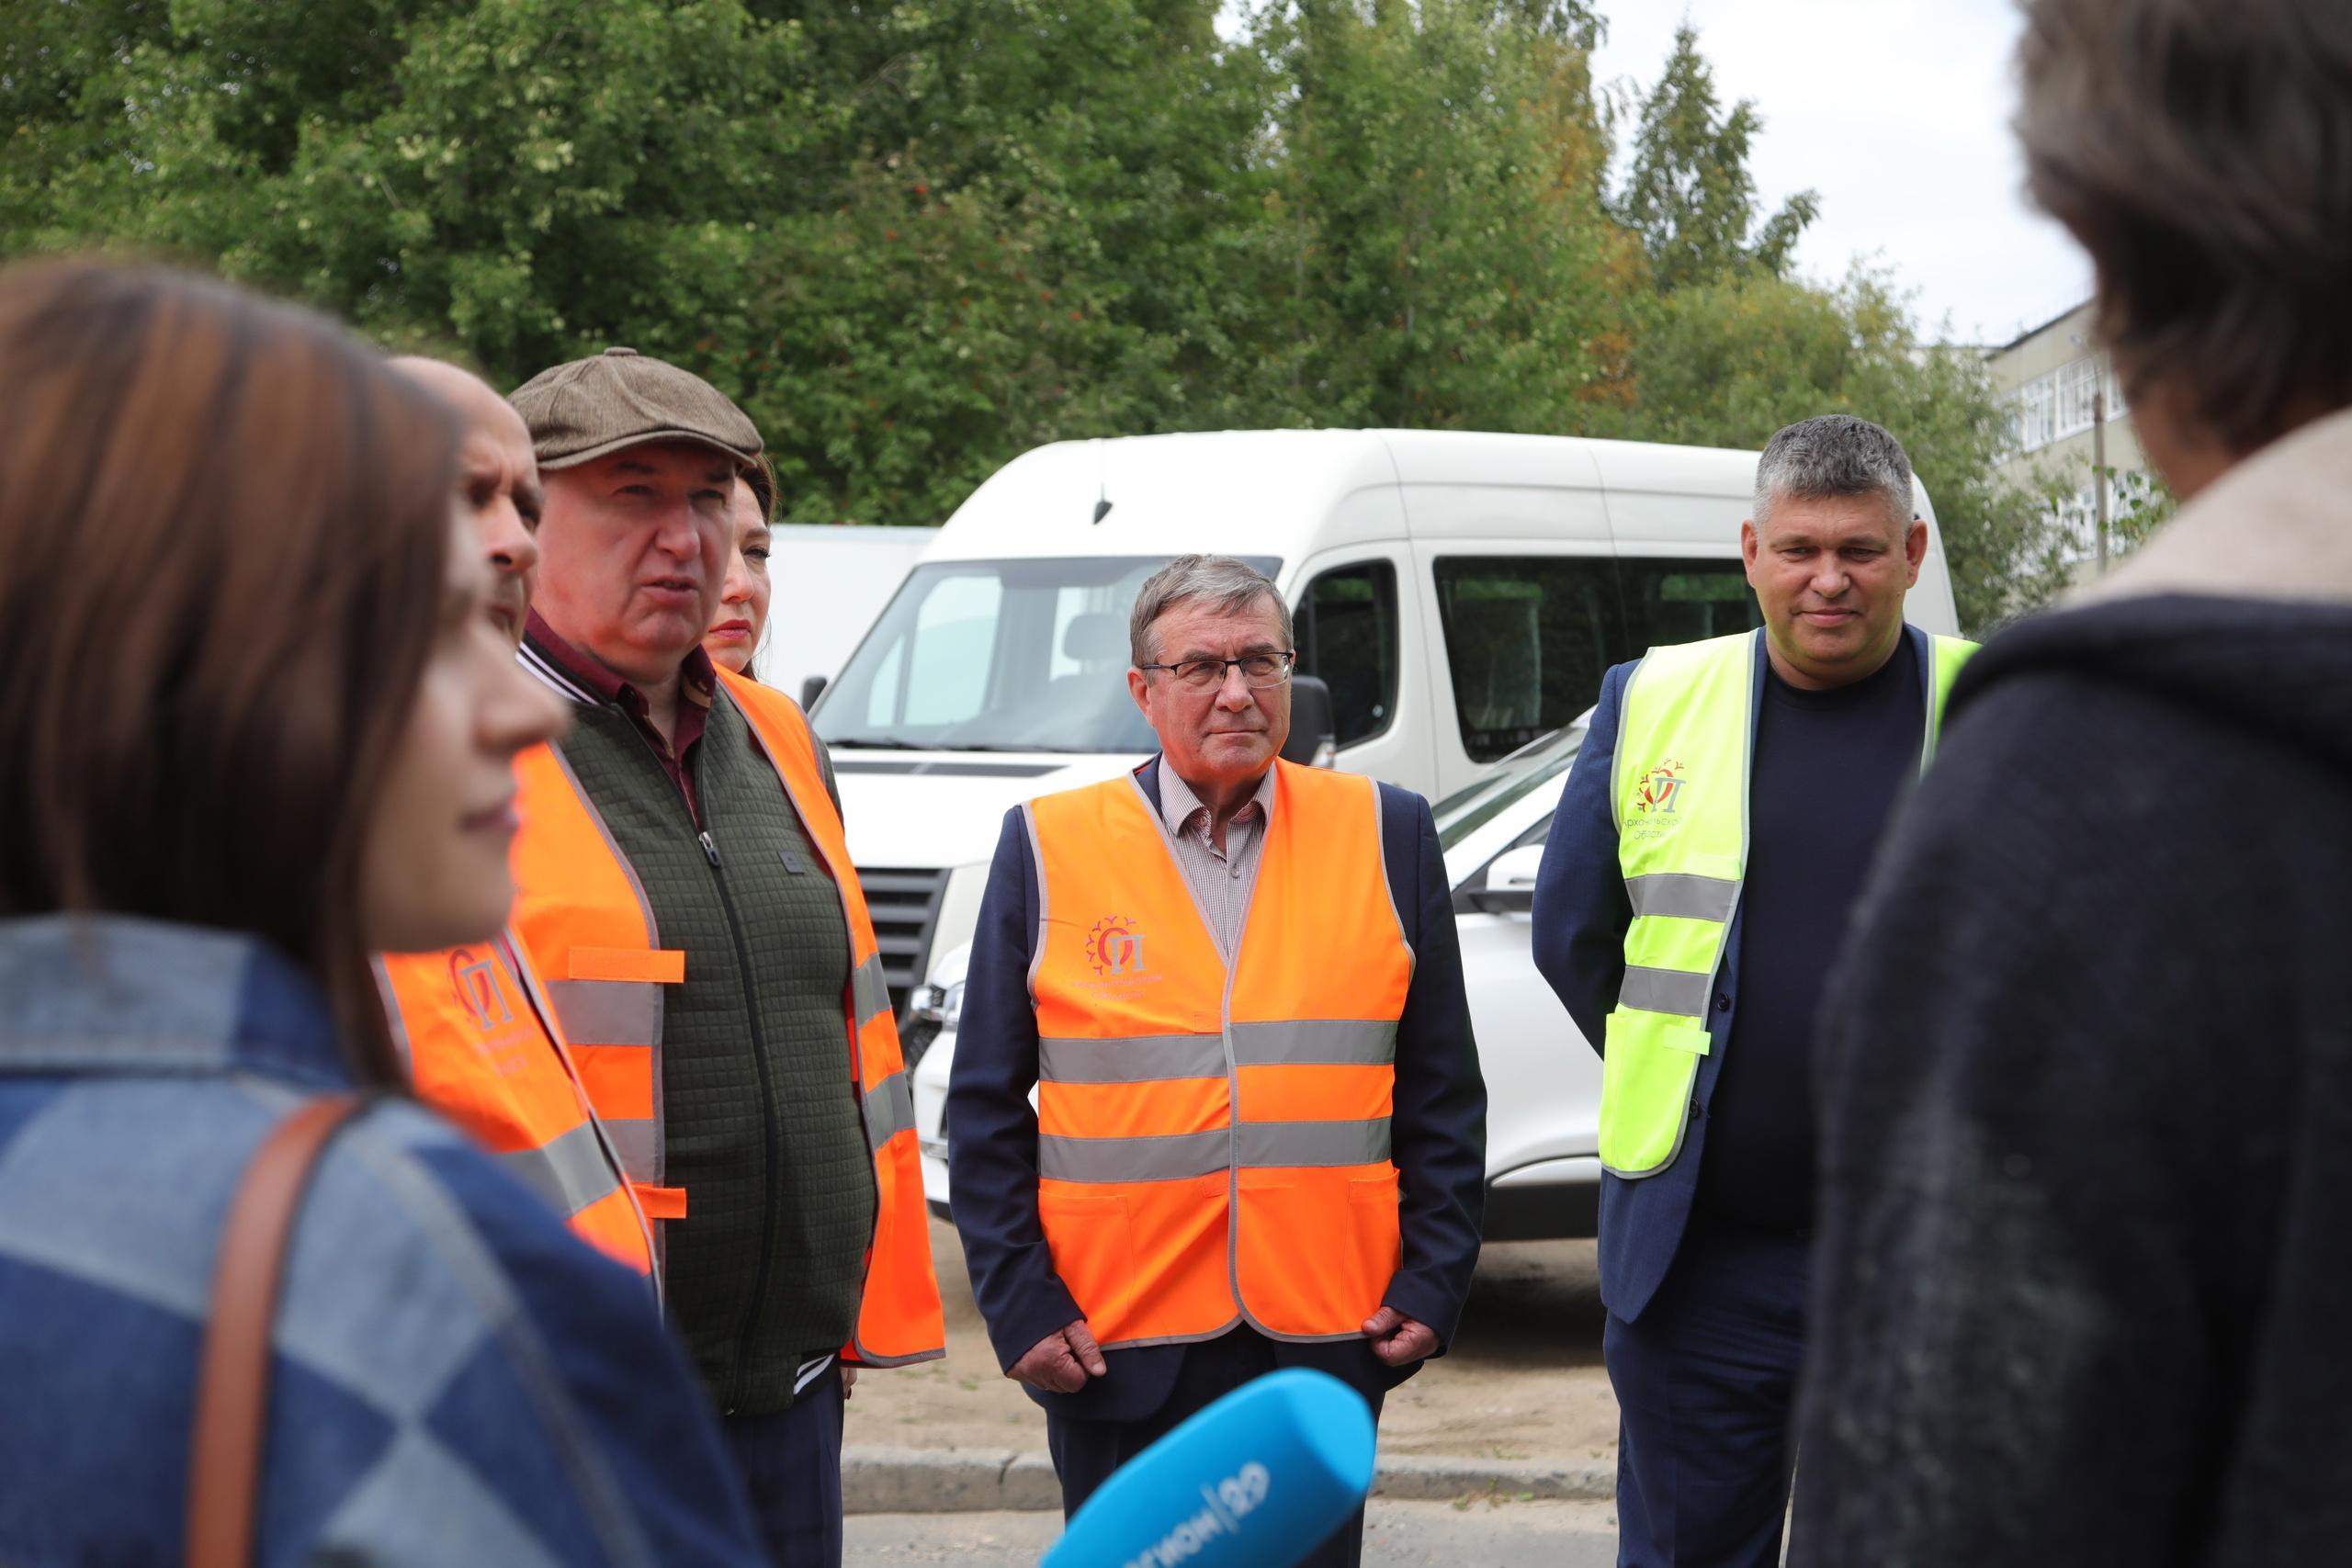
1258,1480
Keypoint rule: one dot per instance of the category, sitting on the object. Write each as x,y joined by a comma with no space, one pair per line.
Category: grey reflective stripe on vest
607,1012
869,991
1683,896
1251,1144
1310,1143
1316,1042
570,1171
889,1108
1143,1058
1170,1158
1675,991
1157,1059
634,1141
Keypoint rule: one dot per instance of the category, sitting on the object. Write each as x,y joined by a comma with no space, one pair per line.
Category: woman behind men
734,634
257,726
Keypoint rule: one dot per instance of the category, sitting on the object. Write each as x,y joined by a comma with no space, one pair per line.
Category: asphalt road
1396,1535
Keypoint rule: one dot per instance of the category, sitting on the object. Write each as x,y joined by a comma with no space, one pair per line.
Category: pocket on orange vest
1092,1246
1318,1247
1380,1242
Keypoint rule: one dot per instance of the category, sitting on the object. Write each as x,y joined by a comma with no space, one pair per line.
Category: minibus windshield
999,656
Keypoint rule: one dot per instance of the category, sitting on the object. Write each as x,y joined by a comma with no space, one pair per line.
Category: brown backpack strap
233,1384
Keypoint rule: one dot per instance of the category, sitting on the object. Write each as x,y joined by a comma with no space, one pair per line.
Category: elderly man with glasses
1234,984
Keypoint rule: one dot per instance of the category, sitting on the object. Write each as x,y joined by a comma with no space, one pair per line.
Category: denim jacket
456,1380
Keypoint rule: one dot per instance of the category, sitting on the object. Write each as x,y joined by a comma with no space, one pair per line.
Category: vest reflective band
484,1049
585,919
1214,1147
1680,792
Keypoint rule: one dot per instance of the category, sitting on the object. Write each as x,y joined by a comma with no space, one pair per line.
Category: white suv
1543,1080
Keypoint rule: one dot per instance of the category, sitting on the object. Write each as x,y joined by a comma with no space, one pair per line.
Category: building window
2077,387
2054,406
2036,428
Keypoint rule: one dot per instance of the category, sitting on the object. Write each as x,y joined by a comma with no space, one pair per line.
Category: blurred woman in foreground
258,725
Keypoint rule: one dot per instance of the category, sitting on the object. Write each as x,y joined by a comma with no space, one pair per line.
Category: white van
1460,594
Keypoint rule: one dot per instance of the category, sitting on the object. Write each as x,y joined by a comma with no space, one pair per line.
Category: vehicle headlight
950,1004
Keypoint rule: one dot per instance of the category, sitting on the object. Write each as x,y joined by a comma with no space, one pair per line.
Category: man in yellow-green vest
1696,884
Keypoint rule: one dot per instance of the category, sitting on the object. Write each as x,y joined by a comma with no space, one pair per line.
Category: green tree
1690,194
915,237
1726,363
1439,174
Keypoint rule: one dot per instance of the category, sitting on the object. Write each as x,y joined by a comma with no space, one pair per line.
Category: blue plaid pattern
456,1380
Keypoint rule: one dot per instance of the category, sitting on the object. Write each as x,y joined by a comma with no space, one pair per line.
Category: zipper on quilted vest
744,1336
747,1336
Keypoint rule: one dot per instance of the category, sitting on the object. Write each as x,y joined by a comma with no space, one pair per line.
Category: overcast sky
1898,115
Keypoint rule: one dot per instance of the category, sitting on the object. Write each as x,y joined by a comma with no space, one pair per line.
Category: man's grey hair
1834,453
1226,584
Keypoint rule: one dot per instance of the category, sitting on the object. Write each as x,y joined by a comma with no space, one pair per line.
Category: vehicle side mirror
810,690
1507,886
1313,733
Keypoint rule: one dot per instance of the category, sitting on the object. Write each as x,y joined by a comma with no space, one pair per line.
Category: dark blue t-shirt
1828,768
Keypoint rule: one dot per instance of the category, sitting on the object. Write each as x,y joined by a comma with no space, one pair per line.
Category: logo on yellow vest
1114,946
476,979
1659,788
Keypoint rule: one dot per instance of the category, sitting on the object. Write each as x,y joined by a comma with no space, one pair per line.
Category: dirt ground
1523,1381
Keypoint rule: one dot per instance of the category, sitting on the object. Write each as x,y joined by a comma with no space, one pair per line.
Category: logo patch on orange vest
475,976
1114,946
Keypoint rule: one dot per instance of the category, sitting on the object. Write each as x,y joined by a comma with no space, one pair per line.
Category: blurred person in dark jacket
2086,1084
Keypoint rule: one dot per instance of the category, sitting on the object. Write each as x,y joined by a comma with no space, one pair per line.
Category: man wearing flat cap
685,891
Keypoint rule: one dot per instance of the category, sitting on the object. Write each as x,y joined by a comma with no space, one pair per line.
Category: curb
877,1480
1440,1478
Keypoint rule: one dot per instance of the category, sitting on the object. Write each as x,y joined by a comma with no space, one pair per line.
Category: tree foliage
914,237
1690,194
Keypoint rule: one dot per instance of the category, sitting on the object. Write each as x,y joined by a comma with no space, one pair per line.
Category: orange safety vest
484,1049
1214,1145
587,922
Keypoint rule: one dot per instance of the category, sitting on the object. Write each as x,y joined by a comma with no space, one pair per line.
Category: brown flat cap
590,407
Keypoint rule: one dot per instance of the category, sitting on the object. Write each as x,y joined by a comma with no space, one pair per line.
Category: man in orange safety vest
483,1044
1235,985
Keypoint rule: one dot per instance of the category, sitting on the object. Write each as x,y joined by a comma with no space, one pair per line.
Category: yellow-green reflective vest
1679,794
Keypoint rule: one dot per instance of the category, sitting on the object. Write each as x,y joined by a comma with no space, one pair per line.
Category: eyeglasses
1208,674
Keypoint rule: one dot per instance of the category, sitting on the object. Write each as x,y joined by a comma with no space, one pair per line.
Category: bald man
482,1040
498,481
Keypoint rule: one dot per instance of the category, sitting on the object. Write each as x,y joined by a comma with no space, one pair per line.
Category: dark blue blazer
1438,1131
1581,914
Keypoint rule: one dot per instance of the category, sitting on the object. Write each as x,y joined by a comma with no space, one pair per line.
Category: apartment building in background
2048,378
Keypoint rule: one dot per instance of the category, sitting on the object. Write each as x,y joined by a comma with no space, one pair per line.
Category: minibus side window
1667,602
1527,639
1346,633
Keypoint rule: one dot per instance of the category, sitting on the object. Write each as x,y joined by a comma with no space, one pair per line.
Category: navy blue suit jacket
1581,914
1438,1131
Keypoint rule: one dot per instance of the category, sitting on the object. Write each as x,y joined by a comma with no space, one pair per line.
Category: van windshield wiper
880,743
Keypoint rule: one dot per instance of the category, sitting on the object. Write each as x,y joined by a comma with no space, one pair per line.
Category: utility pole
2098,460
